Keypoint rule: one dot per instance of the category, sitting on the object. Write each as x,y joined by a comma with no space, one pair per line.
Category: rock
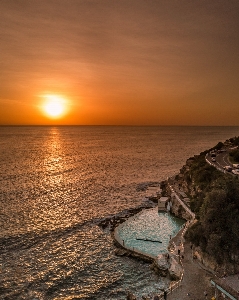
145,298
121,252
175,270
210,263
131,296
178,210
162,264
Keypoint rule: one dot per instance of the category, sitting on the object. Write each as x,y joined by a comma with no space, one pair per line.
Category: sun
54,106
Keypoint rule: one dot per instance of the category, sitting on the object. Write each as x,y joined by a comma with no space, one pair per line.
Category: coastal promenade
195,281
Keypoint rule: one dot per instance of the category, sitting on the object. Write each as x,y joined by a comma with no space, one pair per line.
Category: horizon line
116,125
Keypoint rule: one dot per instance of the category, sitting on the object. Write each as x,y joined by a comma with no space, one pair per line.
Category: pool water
149,225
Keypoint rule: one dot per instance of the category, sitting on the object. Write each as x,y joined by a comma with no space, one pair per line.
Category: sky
119,62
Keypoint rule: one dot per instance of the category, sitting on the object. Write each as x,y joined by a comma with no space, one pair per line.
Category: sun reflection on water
54,151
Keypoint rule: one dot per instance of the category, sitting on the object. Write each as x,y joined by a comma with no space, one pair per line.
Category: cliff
214,198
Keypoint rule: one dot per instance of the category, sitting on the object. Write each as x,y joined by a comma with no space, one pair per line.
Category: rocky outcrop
210,263
167,265
175,270
162,263
113,221
126,252
121,252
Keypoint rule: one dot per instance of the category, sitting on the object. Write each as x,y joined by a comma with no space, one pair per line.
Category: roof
163,199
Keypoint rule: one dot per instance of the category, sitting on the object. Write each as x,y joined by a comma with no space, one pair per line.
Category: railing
182,203
217,286
218,168
215,166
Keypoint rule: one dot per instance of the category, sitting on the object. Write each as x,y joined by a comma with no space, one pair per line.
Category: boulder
162,264
131,296
146,298
121,252
175,270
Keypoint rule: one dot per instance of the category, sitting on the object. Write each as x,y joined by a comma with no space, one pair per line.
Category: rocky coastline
167,264
181,190
109,223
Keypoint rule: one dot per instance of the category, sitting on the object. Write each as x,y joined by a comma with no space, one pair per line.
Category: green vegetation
219,146
234,156
234,141
215,201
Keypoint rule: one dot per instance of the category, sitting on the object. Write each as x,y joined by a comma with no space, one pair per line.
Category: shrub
235,155
216,205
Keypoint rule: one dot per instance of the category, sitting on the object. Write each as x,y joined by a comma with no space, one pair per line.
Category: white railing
182,203
217,286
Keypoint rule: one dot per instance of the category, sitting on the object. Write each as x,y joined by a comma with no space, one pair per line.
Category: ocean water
56,181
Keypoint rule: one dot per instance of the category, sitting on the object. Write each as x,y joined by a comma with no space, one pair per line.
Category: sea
57,181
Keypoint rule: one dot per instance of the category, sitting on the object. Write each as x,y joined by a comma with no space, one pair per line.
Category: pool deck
196,279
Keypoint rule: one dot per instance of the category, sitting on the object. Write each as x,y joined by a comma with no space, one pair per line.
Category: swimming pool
149,231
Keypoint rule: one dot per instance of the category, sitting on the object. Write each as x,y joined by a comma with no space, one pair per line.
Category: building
162,203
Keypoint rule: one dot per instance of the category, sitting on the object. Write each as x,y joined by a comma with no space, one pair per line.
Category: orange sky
126,62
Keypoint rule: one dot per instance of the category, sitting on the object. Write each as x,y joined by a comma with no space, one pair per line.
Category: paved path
195,281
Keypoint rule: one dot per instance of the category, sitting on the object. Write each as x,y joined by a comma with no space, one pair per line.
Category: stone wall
178,210
210,263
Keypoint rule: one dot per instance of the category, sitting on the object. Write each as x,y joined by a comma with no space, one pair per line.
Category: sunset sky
119,62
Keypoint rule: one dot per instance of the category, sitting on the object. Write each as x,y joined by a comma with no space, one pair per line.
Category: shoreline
167,264
186,261
177,188
113,223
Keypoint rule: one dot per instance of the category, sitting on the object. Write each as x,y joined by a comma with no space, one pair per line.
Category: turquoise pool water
152,225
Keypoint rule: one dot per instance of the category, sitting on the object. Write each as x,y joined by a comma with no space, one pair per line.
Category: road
222,160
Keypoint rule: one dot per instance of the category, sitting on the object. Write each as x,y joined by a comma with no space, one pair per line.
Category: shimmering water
55,181
150,225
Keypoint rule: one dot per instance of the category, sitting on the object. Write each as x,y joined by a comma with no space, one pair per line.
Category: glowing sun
54,106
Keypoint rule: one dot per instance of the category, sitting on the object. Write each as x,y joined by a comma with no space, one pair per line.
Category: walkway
195,280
